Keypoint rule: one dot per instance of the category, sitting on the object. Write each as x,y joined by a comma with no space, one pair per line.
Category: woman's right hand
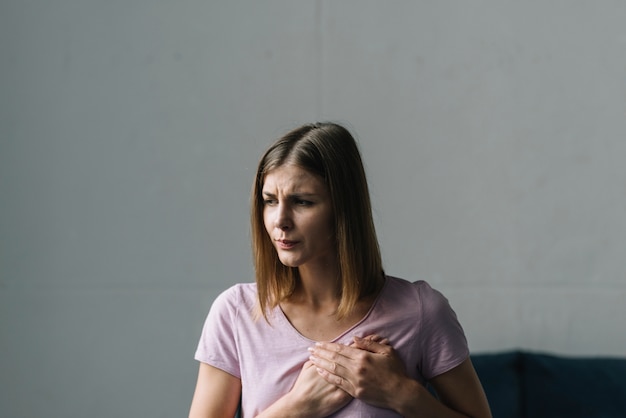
310,396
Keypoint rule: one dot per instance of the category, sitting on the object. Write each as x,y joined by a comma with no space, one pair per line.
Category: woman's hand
321,397
311,396
369,369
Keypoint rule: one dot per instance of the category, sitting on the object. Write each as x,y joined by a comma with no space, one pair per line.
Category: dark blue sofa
521,384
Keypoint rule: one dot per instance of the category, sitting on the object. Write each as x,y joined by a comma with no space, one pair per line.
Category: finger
333,351
329,366
372,346
378,339
335,380
375,338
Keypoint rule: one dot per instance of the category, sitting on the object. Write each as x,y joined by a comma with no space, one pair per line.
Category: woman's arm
372,372
217,394
460,395
461,390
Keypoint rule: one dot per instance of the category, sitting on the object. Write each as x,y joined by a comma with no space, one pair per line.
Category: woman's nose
283,218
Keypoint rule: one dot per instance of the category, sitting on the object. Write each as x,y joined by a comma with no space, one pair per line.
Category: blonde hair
329,151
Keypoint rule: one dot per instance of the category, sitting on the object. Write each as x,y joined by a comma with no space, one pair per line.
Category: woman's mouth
285,244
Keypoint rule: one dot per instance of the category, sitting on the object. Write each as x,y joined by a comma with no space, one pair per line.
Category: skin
299,220
298,217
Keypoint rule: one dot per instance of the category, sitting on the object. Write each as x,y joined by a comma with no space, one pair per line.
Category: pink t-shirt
417,320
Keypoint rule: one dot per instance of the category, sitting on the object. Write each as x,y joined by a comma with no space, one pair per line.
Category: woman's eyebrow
302,194
291,195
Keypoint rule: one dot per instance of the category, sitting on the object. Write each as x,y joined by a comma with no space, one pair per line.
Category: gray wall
493,133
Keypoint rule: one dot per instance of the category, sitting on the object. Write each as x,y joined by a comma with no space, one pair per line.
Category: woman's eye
269,201
301,202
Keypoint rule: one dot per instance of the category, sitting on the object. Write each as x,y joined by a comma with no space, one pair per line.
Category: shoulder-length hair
329,151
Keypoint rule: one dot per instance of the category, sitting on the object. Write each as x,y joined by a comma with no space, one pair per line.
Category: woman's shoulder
397,284
243,289
237,296
420,291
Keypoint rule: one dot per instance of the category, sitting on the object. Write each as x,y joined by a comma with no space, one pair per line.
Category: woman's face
297,213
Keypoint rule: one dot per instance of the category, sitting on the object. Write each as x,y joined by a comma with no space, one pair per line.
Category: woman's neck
318,287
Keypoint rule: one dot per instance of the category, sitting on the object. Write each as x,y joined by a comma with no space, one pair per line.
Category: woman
323,331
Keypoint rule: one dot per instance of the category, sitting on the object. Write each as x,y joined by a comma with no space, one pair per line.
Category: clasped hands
369,369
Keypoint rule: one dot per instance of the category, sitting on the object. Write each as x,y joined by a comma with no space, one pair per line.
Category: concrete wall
493,134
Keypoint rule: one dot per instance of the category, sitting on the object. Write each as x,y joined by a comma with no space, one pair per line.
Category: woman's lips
286,244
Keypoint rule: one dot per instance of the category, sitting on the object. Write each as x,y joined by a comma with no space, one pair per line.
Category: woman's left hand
369,369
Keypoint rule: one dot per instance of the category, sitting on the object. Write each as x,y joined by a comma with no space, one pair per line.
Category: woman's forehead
291,176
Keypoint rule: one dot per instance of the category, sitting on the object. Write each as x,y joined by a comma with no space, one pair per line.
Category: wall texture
493,133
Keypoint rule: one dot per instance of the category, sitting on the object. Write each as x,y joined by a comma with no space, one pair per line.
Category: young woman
323,331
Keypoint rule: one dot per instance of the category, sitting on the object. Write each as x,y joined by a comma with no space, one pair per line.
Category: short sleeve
443,342
218,341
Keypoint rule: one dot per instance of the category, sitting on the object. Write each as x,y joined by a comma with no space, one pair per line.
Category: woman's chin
289,262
